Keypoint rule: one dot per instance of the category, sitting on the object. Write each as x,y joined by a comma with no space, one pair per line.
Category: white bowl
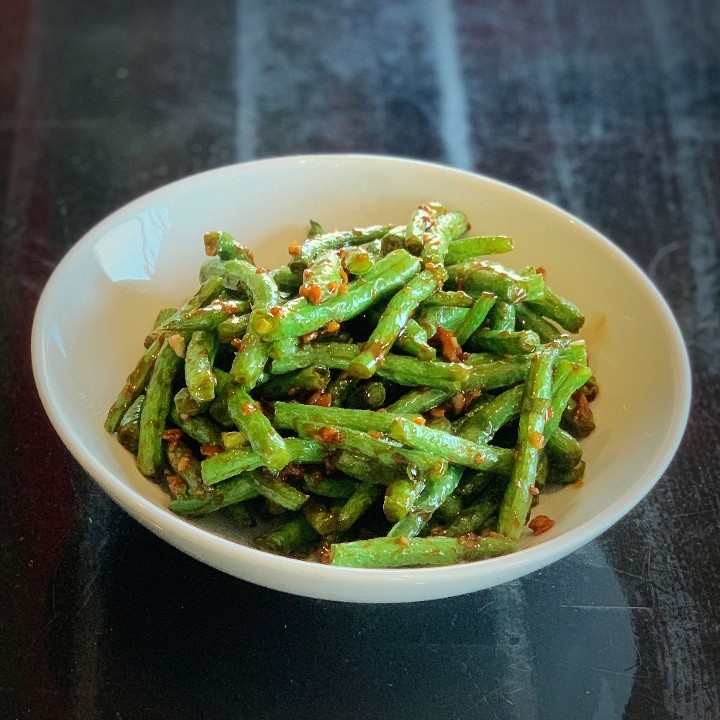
102,298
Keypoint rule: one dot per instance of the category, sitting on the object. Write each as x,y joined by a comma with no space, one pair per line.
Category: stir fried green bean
391,397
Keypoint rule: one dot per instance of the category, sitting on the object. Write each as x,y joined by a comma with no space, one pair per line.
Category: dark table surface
610,109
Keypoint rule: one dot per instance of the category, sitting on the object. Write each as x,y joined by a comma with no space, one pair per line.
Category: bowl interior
104,295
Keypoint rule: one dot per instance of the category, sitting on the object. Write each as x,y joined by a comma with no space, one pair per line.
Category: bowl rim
187,535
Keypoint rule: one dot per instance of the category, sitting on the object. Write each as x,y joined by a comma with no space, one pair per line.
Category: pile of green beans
392,397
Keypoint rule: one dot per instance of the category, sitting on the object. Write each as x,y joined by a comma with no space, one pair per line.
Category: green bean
418,401
128,431
469,248
401,496
437,490
536,402
323,278
207,317
233,439
485,418
449,298
528,319
235,490
288,538
291,416
158,397
558,309
481,276
368,470
449,317
309,379
250,361
263,437
199,361
302,317
233,328
472,518
498,374
397,368
185,464
504,342
357,504
287,279
567,476
338,486
316,245
474,317
242,459
240,274
385,452
223,245
367,395
454,449
569,378
140,376
200,428
564,450
407,552
357,261
502,316
413,340
391,323
240,515
278,491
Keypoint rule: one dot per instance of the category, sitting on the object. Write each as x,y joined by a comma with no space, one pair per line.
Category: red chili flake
403,541
540,271
313,294
309,337
260,271
276,311
469,396
172,435
537,440
237,343
324,553
321,398
294,248
438,412
332,326
457,403
292,473
208,450
449,345
579,483
176,485
183,464
534,490
333,287
419,420
468,540
329,435
540,524
248,409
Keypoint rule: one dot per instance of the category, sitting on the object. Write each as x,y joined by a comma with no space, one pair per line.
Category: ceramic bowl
103,296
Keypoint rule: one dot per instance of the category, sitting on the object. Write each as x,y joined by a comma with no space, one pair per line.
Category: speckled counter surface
612,110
